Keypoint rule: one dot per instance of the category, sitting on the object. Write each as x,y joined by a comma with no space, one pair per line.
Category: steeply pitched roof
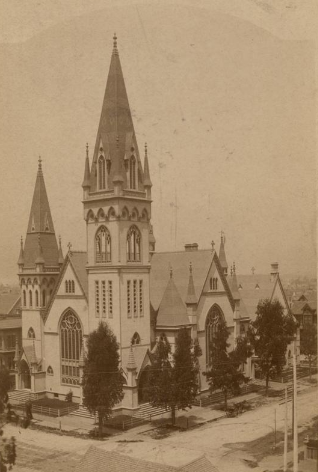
179,261
9,301
79,260
172,311
115,124
191,298
40,227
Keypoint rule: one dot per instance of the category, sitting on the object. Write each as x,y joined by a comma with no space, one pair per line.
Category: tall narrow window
128,298
132,172
73,286
36,298
97,298
135,298
71,342
133,244
44,298
101,173
24,298
66,286
30,299
110,299
103,245
213,320
141,299
103,298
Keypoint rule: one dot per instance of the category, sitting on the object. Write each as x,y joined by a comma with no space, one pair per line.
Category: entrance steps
82,412
22,396
146,411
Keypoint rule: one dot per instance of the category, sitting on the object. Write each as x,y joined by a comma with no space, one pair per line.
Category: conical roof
147,180
191,296
86,181
40,223
222,257
115,124
21,255
61,258
172,311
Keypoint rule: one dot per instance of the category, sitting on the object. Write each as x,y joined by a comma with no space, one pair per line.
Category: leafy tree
7,447
173,379
308,343
102,379
270,334
224,372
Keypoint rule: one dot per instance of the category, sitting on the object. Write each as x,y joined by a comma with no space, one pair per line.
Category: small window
128,298
36,298
141,298
30,299
110,299
44,298
135,298
66,286
24,298
73,286
101,173
132,172
31,333
96,298
135,339
50,370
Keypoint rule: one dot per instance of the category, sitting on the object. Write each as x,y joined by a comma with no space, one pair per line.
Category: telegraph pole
295,411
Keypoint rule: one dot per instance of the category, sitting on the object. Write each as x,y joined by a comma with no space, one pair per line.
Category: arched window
50,370
132,172
31,333
213,320
135,339
43,298
30,299
24,298
103,245
101,173
213,283
36,298
133,244
71,342
73,286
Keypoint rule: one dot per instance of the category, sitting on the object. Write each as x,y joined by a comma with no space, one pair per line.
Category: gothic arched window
103,245
71,342
36,298
24,298
132,172
50,370
101,173
73,286
213,320
135,339
43,298
31,333
30,299
66,286
133,244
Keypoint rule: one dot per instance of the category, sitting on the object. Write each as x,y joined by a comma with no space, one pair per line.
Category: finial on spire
40,163
115,43
171,272
87,150
117,142
146,149
190,268
212,244
21,241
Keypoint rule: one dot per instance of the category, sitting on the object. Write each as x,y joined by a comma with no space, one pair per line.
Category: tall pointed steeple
191,297
21,255
115,123
222,257
61,258
147,181
86,181
40,227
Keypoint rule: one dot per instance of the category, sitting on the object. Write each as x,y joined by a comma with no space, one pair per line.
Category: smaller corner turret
87,175
222,256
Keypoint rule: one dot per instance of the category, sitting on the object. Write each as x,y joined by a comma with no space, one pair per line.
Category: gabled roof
40,227
298,307
9,301
100,460
172,311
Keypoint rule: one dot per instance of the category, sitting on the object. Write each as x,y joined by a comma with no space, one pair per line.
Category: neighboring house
10,329
99,460
120,279
304,311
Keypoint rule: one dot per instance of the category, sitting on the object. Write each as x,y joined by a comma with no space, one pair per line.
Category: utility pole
286,433
295,411
275,430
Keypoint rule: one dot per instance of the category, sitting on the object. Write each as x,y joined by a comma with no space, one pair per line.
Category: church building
120,279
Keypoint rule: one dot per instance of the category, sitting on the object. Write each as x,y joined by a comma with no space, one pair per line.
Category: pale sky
223,94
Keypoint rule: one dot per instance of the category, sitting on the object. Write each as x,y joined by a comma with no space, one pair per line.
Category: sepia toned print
158,299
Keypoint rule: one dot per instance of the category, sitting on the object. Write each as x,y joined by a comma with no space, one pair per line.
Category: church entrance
25,375
142,385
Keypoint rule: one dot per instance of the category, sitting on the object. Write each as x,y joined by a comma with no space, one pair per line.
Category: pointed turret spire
61,258
233,283
222,256
131,364
147,181
40,223
21,256
191,297
86,182
172,311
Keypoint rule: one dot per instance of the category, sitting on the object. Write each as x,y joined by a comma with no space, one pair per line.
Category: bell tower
117,211
39,263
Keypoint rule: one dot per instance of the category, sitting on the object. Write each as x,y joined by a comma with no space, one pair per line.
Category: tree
7,447
224,372
102,379
270,334
173,379
308,343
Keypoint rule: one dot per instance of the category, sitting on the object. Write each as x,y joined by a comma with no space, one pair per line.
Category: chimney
191,247
274,270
